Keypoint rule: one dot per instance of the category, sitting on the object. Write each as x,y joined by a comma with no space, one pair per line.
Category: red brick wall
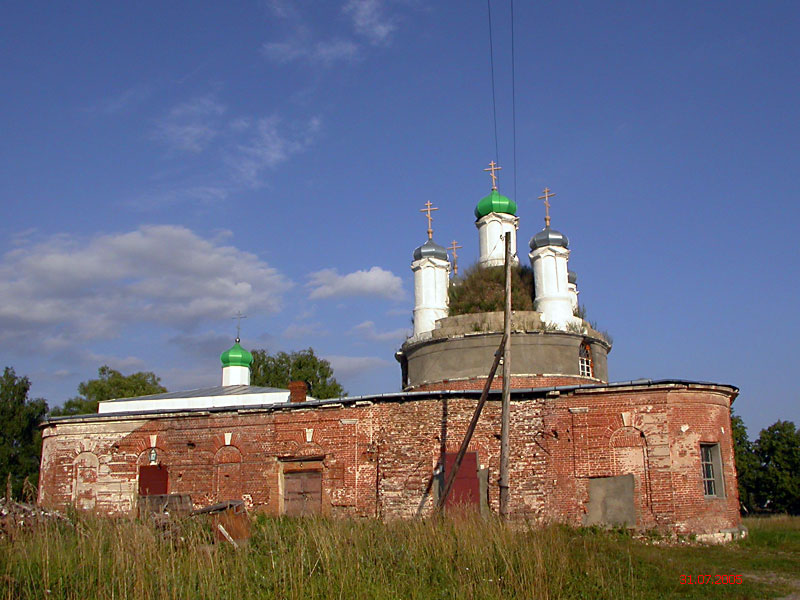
380,459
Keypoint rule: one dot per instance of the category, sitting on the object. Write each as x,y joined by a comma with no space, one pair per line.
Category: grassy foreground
319,558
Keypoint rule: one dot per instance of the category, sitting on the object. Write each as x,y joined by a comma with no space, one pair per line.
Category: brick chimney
297,391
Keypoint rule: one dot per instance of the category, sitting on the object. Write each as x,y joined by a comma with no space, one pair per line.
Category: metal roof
220,390
432,249
389,397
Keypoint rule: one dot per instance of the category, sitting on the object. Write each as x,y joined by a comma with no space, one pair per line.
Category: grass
427,559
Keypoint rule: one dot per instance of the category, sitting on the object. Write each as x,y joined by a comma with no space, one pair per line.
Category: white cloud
370,20
368,331
124,101
268,145
347,366
327,283
190,126
202,345
300,46
300,330
56,293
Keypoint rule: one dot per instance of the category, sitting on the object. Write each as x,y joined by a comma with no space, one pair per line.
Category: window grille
586,367
711,468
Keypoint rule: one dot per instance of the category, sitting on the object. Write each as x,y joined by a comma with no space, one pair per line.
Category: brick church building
644,454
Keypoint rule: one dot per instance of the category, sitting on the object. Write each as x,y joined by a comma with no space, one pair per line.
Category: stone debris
19,516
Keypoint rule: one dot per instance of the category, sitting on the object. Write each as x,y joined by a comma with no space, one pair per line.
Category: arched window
585,364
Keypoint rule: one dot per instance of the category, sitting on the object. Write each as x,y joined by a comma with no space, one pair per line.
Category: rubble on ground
16,516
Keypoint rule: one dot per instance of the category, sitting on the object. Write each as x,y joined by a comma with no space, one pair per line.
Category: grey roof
430,249
221,390
572,277
549,237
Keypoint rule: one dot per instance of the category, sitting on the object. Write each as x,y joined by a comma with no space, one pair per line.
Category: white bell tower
431,280
549,257
495,215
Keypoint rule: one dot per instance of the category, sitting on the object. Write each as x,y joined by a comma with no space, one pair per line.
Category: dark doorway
302,493
465,492
153,480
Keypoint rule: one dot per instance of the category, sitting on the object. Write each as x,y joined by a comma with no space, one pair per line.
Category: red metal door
152,480
465,492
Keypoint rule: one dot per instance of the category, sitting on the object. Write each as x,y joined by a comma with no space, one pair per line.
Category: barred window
711,467
585,365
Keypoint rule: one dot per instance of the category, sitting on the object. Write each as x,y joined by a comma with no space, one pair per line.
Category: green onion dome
236,356
495,202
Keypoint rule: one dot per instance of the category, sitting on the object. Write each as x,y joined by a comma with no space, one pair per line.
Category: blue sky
164,166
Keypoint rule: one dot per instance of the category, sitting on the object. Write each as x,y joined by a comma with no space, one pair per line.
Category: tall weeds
319,558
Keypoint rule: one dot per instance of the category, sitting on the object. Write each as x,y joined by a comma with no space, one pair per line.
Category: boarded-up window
84,478
465,492
611,502
302,493
228,474
153,479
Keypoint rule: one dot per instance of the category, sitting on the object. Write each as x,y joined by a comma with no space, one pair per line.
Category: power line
494,98
513,103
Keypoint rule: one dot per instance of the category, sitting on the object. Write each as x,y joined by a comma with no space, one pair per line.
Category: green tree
277,370
778,452
747,465
20,438
109,384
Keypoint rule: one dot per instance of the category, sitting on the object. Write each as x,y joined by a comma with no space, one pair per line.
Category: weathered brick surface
381,458
517,382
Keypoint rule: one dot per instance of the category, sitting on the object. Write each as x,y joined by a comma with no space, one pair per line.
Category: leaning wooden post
506,409
468,436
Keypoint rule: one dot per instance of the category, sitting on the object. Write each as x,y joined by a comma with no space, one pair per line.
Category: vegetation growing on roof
482,289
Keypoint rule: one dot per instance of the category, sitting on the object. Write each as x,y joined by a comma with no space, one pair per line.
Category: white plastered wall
491,239
553,298
431,300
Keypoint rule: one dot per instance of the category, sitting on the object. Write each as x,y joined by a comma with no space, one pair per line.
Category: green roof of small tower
236,356
495,202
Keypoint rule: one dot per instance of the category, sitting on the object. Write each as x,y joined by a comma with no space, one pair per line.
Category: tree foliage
277,370
482,289
20,438
747,466
109,384
778,452
768,469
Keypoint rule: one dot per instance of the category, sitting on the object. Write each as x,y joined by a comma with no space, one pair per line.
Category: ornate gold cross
492,168
547,195
454,247
428,209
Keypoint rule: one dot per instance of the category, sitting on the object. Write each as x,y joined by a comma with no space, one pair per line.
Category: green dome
495,202
236,356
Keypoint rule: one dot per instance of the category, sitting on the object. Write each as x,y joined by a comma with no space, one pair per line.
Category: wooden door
465,492
153,480
302,493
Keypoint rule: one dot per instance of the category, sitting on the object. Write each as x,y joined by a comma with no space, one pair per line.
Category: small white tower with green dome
495,216
431,268
236,363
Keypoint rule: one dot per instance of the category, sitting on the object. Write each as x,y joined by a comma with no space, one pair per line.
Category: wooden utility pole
451,477
506,408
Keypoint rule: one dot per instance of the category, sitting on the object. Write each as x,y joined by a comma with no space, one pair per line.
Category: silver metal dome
430,249
549,237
